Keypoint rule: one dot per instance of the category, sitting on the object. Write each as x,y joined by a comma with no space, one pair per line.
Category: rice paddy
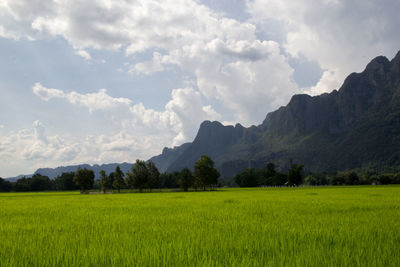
310,226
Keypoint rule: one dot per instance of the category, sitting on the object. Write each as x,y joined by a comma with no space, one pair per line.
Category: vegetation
84,178
118,179
5,186
104,181
186,179
145,176
309,226
205,174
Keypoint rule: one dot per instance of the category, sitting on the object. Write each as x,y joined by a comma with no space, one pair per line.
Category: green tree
310,180
84,178
5,186
104,181
266,176
247,178
119,182
295,174
138,176
205,173
154,175
186,179
65,181
40,183
23,184
169,180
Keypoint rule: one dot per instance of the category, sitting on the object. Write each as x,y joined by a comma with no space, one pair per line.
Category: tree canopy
205,173
84,178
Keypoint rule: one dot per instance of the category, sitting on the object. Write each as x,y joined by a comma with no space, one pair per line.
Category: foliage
65,182
138,176
153,179
295,175
5,186
104,181
186,179
119,182
23,185
84,178
40,183
205,173
169,180
247,178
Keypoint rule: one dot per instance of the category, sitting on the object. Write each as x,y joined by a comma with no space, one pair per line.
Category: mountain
108,168
357,126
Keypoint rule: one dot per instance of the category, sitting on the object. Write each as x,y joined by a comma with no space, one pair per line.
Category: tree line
295,176
143,176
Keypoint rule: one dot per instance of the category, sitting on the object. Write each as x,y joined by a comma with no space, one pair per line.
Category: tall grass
330,226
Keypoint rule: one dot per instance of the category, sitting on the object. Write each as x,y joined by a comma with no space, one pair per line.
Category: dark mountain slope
357,126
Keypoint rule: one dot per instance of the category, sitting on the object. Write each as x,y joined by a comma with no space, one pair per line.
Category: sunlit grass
327,226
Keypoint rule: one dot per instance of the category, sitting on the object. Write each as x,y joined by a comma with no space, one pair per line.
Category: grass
326,226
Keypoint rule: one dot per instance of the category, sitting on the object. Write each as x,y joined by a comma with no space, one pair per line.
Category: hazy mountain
357,126
108,168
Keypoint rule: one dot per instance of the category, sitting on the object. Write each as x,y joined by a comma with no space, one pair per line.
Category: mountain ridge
327,132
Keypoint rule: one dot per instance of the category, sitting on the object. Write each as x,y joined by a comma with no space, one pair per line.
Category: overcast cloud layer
149,72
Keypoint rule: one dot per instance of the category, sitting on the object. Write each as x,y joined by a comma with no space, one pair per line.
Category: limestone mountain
357,126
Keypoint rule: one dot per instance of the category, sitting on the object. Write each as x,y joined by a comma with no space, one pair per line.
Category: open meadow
310,226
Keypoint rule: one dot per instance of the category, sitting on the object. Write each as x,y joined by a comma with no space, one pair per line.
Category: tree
23,185
169,180
266,176
205,173
84,178
5,186
104,181
295,174
65,181
40,183
153,180
111,178
186,179
138,176
247,178
310,180
118,179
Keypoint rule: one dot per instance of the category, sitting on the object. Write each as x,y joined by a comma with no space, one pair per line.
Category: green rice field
310,226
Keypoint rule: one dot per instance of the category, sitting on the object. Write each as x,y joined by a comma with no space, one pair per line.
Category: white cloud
341,35
84,54
93,101
213,49
149,67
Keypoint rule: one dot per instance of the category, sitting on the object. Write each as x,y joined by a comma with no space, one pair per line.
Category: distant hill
108,168
54,172
357,126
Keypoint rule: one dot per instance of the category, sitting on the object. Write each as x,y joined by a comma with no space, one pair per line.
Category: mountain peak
377,63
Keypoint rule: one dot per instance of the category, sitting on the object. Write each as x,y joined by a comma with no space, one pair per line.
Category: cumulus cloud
341,35
93,101
149,67
212,48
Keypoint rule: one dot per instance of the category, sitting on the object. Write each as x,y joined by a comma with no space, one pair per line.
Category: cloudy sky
85,81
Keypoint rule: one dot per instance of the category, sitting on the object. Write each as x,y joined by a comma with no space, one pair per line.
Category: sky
105,81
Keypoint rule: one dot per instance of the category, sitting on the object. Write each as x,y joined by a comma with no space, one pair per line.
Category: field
325,226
